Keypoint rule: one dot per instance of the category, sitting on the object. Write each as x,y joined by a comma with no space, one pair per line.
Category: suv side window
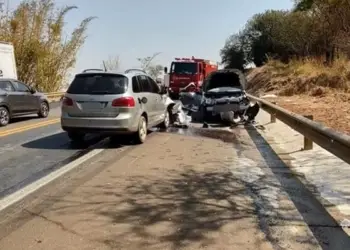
6,86
154,85
20,87
135,85
144,84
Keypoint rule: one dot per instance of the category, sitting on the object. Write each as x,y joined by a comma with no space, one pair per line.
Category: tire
141,134
76,137
4,116
167,120
44,110
174,96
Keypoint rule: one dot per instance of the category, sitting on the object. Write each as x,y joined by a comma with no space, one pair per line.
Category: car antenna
104,66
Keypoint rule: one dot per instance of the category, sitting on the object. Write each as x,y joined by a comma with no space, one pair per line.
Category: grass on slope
309,76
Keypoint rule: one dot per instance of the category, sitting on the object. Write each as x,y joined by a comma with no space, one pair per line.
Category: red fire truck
184,71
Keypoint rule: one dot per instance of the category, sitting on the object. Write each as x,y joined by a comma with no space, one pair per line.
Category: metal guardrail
329,139
54,95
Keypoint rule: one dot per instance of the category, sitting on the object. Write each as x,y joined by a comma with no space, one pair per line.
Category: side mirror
32,90
165,70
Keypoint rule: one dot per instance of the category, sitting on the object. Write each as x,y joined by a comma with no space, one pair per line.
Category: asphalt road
227,185
28,155
204,188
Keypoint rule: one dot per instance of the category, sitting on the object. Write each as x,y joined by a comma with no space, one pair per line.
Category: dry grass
307,87
309,76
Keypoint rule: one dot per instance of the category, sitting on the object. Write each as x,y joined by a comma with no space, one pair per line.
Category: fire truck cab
184,71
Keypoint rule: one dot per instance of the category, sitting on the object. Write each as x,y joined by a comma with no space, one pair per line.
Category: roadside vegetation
305,50
147,64
44,53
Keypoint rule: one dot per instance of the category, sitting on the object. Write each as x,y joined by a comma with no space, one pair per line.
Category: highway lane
31,154
31,121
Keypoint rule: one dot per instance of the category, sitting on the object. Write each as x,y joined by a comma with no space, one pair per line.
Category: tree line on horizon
312,28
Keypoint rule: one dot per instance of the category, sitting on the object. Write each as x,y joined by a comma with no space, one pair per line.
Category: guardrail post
273,115
308,144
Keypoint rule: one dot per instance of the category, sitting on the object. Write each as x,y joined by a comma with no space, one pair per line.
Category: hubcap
143,130
44,109
4,117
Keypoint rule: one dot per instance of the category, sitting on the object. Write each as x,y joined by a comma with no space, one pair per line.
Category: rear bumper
86,130
99,125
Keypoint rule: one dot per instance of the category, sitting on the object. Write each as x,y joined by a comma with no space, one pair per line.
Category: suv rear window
98,84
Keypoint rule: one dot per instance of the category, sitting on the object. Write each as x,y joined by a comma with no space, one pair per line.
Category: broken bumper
227,108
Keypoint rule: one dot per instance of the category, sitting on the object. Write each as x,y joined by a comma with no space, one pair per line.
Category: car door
29,102
149,106
9,96
159,103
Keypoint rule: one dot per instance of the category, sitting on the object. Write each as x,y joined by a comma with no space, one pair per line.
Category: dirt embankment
307,88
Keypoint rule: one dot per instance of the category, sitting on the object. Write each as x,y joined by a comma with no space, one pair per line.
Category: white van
8,67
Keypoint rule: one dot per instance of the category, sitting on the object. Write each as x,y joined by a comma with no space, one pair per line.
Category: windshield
184,68
98,84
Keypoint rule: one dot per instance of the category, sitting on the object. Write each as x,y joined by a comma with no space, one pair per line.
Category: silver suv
113,103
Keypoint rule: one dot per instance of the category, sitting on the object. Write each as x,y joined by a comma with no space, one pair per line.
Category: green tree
43,53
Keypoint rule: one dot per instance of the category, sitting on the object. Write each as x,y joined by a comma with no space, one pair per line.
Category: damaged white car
222,96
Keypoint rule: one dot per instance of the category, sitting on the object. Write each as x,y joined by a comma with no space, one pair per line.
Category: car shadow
61,141
324,227
24,119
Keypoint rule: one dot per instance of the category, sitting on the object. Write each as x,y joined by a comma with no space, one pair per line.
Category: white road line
27,190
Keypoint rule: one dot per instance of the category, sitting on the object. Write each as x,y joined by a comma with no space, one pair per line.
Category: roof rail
140,70
87,70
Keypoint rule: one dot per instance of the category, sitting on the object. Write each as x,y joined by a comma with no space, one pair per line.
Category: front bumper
233,107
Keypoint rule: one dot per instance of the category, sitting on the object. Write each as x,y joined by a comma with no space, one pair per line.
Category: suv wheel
44,110
165,124
4,116
141,133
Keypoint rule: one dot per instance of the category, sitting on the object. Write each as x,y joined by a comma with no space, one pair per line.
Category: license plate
92,105
209,108
226,108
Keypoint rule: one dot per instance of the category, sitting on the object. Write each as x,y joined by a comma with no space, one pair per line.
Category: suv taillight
124,102
66,101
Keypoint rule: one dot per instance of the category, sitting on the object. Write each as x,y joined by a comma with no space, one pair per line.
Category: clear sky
177,28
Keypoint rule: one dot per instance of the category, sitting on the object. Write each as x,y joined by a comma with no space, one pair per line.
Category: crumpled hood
224,92
228,90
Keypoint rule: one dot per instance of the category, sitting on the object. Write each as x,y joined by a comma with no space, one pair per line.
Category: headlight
209,101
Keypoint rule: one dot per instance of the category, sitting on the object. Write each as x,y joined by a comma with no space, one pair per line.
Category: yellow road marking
28,127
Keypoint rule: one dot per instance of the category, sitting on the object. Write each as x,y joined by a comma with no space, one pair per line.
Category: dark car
18,99
222,95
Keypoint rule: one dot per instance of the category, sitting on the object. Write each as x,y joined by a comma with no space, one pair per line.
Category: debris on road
180,117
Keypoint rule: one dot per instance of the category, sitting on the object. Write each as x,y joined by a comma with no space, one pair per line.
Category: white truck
8,67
